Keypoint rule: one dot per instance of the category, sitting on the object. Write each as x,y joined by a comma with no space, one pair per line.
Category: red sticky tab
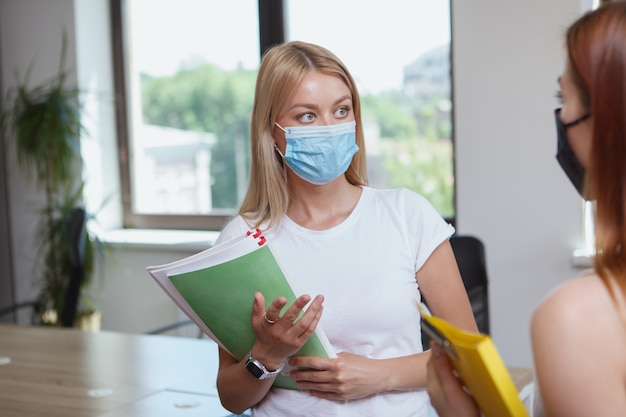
258,235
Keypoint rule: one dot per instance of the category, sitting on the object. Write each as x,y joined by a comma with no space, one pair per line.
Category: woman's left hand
445,389
346,377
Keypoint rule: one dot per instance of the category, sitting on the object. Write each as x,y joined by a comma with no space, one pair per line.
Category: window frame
272,31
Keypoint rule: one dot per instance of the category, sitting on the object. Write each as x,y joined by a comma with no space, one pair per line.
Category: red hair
596,47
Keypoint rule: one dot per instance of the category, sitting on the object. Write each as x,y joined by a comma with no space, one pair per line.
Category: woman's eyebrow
315,106
344,98
305,105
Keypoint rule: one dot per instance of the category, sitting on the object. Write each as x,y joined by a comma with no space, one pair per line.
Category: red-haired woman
579,331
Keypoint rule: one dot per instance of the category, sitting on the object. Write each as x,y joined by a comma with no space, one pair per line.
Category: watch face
254,369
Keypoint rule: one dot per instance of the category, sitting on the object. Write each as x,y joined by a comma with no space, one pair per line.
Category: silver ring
270,321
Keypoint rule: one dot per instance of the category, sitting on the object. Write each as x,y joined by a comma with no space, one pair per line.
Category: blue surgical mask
319,154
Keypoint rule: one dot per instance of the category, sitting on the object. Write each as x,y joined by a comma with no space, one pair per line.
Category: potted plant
44,125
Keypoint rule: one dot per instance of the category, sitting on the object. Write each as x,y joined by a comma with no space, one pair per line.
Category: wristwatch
258,370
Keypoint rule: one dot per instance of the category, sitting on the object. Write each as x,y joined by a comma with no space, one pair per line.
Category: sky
374,39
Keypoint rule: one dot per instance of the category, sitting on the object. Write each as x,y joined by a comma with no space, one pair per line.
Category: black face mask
565,154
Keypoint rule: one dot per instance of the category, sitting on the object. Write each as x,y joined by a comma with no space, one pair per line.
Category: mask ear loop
281,161
282,157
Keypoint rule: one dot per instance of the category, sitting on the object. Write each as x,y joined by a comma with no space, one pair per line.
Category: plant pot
90,322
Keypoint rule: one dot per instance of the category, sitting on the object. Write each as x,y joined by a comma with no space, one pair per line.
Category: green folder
216,287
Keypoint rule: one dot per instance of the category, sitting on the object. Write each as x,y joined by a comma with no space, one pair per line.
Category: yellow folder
476,359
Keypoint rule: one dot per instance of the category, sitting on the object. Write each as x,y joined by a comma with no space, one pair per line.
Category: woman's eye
342,112
306,118
559,96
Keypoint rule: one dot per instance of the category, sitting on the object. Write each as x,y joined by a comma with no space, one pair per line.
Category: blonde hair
280,74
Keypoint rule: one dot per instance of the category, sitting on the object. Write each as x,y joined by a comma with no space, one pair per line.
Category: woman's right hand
279,337
446,390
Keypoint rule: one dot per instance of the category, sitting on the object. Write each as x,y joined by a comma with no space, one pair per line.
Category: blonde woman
361,256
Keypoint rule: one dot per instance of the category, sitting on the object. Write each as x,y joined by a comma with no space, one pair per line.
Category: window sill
197,240
156,239
582,259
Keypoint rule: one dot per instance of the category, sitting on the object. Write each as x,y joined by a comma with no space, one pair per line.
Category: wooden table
55,372
64,372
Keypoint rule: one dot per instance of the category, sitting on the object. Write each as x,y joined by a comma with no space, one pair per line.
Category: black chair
36,307
470,257
76,240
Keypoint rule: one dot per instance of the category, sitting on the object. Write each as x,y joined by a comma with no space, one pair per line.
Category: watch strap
258,370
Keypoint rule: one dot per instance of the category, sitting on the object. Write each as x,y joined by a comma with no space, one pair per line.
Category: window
398,52
185,75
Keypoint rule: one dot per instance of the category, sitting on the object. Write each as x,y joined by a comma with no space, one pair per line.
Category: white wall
511,193
510,190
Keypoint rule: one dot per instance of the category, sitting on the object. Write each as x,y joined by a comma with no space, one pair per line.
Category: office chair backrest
469,252
76,229
470,257
76,242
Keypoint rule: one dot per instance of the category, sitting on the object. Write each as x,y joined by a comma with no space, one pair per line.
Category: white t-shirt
365,268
